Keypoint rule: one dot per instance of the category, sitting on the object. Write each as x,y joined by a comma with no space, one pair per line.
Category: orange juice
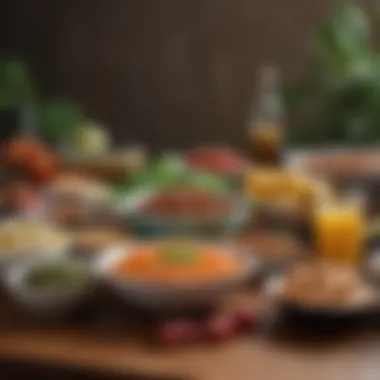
339,232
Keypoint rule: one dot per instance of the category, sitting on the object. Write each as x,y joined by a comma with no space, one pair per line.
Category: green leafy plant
16,84
338,98
58,119
170,170
55,118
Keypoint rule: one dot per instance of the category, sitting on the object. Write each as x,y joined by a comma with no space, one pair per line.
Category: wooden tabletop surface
356,357
262,354
265,353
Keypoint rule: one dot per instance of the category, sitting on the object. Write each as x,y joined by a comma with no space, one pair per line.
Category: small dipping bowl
41,293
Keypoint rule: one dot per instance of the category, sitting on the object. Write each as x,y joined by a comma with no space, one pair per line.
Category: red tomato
18,194
17,151
222,160
30,154
43,167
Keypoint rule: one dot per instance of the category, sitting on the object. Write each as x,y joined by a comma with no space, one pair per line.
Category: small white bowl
153,296
46,301
9,257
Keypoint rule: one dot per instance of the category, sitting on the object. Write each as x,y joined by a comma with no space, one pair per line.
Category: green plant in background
55,119
16,84
338,99
58,119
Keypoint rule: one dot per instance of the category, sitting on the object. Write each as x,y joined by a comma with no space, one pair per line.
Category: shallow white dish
43,302
151,295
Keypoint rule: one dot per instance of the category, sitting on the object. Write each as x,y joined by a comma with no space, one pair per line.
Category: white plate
151,295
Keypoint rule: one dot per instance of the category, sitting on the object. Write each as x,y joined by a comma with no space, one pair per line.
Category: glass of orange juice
339,230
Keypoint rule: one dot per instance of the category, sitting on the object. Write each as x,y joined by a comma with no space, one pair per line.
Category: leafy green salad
170,170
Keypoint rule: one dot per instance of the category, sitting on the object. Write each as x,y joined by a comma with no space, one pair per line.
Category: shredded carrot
146,263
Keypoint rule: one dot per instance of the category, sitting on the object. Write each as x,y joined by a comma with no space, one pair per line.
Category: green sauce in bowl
55,275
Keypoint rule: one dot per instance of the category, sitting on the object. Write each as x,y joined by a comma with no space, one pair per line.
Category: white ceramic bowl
153,296
9,257
149,224
44,302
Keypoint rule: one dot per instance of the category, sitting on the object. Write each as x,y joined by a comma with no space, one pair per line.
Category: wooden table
258,355
244,358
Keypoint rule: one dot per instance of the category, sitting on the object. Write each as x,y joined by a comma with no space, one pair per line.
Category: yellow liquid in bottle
266,143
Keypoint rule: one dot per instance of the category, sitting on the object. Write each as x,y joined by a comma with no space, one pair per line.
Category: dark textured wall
163,72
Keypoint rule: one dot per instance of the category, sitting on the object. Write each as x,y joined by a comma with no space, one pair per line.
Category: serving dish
283,197
223,161
17,254
153,295
347,165
145,224
76,199
273,287
46,301
275,250
357,174
111,166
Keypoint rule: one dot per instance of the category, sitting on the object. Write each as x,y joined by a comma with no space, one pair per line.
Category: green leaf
343,36
182,253
16,85
59,119
345,74
165,170
208,181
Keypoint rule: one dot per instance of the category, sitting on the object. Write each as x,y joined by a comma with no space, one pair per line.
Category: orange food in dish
181,264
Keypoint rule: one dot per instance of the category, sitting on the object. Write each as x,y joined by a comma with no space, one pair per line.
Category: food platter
150,224
176,243
156,295
363,302
275,250
344,166
19,244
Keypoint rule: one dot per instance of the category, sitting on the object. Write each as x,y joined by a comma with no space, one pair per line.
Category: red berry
220,327
178,332
245,319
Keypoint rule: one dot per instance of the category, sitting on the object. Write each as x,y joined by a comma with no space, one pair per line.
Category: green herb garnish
178,253
55,276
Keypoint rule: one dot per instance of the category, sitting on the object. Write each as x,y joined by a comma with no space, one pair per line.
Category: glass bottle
266,121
